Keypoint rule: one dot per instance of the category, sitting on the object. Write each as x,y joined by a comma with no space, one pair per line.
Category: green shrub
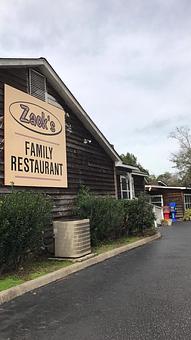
187,215
140,215
111,218
23,218
105,214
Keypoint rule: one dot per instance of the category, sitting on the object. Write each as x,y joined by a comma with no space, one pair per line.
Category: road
142,294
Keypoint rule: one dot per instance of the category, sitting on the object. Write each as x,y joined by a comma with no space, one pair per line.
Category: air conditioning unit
72,238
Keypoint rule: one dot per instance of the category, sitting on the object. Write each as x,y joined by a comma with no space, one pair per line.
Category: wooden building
90,159
162,195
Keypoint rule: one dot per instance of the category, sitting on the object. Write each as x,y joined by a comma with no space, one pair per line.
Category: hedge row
25,215
23,218
111,218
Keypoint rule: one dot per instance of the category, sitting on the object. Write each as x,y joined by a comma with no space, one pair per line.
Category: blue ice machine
172,206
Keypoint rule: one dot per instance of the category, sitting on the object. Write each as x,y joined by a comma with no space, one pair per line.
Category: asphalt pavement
141,294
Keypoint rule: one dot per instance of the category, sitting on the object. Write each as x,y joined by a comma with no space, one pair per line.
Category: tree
131,159
169,179
182,158
152,179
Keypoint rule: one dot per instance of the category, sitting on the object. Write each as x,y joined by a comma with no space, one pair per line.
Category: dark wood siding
88,164
178,198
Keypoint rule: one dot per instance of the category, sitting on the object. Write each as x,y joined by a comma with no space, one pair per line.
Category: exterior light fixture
87,141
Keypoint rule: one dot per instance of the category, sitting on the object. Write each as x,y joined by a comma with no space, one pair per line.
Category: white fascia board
163,187
136,171
125,166
17,62
139,174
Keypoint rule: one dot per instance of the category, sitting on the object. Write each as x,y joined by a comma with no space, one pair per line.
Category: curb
28,286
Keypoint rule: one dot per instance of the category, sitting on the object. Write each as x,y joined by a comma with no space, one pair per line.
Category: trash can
173,209
166,212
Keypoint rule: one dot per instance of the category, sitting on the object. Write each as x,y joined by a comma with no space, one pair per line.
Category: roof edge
64,92
165,187
136,171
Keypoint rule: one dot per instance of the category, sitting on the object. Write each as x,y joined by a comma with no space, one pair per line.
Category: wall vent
37,85
72,238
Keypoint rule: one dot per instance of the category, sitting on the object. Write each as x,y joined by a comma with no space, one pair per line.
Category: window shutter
37,85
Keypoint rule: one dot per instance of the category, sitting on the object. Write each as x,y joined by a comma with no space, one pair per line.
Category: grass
9,282
109,245
35,269
31,271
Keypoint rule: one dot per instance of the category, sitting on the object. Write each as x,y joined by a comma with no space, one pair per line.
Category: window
156,200
37,85
187,201
125,187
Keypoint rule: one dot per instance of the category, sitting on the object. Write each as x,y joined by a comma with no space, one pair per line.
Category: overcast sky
128,62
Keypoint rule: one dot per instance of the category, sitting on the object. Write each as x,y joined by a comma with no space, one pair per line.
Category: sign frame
34,141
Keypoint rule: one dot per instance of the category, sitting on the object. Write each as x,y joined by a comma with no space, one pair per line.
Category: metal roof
135,169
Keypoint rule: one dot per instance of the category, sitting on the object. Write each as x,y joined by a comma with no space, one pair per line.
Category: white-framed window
187,201
37,85
125,187
156,200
